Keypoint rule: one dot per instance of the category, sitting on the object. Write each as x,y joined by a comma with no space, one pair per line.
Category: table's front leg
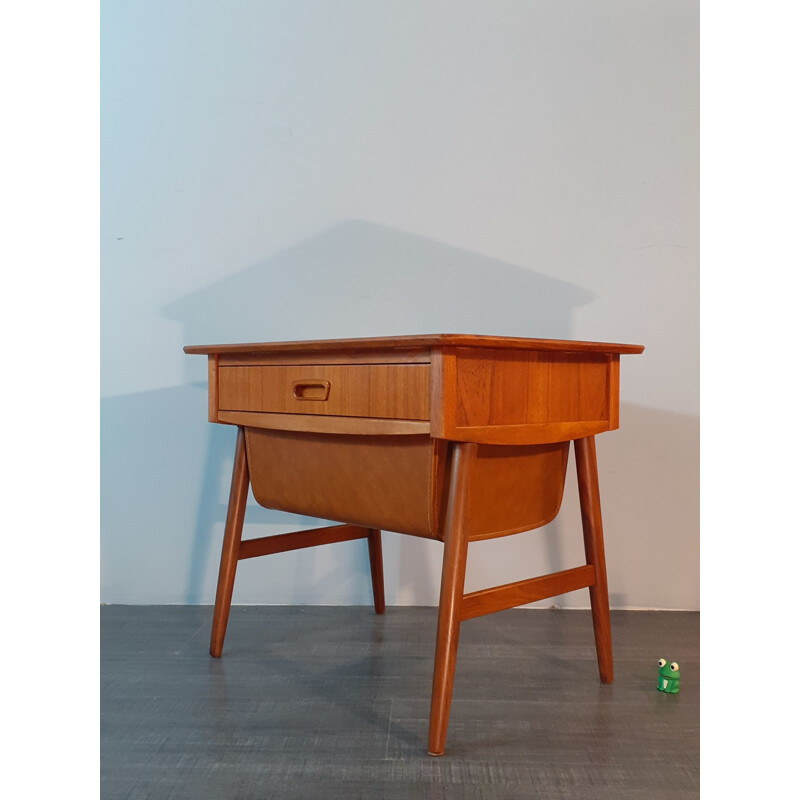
240,483
454,565
589,492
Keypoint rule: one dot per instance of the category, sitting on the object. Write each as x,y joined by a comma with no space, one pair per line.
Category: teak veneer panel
514,388
317,423
401,343
213,387
511,595
388,391
384,482
522,397
399,482
269,358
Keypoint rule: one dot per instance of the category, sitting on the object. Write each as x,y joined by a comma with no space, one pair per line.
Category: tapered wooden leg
589,491
376,569
452,591
240,482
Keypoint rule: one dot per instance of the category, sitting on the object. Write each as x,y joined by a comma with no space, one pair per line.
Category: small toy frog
669,677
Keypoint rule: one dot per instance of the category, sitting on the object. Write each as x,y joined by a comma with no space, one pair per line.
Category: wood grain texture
409,355
397,343
532,433
512,397
381,482
376,570
237,501
297,540
515,488
314,423
613,395
454,562
442,400
510,595
484,389
589,493
213,388
399,483
388,391
517,388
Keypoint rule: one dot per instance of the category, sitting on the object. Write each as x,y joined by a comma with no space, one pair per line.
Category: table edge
410,342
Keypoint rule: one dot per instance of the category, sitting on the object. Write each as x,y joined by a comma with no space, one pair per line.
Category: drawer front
387,391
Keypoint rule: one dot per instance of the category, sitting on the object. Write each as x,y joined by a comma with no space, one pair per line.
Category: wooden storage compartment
398,483
388,391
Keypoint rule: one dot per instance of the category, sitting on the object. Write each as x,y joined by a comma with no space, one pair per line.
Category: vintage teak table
449,437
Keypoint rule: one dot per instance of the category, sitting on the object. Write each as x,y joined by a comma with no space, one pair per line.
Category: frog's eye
662,662
674,666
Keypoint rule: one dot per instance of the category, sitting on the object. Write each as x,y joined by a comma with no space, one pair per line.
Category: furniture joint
511,595
297,540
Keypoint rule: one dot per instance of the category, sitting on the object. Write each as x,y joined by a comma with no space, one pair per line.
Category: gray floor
320,702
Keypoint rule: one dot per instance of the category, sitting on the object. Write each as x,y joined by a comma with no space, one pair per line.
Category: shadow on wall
362,279
357,279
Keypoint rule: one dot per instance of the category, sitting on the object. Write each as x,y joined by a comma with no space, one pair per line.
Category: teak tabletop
446,436
426,340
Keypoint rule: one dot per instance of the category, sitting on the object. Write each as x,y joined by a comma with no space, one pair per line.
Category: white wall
296,170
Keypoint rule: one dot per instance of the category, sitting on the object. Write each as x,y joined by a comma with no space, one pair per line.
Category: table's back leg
589,492
376,569
454,565
237,501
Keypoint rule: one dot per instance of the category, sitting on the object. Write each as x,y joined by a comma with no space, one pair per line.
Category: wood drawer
387,391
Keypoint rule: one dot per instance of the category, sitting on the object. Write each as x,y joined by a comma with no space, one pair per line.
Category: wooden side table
448,437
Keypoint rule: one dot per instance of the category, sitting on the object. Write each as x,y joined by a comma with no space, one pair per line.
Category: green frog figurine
669,677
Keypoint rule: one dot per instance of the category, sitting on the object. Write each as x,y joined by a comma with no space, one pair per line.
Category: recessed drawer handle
311,390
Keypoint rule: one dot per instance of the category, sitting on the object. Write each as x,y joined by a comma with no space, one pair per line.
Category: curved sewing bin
449,437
